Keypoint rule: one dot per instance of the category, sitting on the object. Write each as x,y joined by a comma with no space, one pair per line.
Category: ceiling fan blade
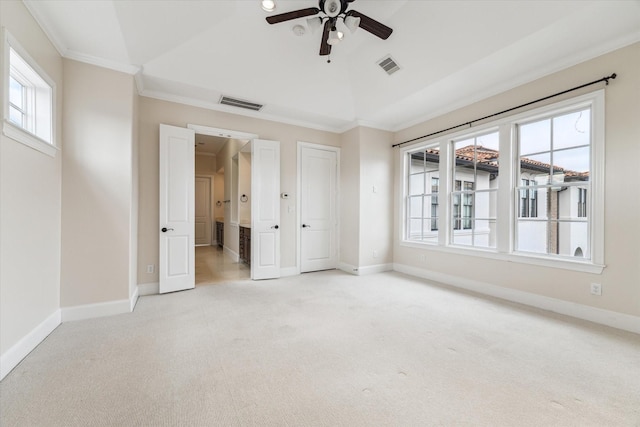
274,19
325,48
371,25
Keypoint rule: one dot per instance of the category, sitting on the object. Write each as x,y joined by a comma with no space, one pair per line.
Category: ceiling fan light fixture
314,23
335,37
352,23
268,5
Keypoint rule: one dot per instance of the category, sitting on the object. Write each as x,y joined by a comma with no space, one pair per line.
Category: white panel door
177,179
203,211
318,209
265,209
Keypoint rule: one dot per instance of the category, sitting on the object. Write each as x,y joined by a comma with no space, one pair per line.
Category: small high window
29,108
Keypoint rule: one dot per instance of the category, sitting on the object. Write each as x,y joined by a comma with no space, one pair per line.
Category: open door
265,209
177,204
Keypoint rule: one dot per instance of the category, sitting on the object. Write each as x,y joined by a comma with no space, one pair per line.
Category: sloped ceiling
451,53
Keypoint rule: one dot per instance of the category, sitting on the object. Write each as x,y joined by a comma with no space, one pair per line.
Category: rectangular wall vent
234,102
389,65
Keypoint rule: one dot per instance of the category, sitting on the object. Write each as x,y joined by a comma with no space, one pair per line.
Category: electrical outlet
596,289
150,268
374,253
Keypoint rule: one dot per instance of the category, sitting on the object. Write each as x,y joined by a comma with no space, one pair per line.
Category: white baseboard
597,315
373,269
348,268
90,311
148,288
234,255
289,271
133,299
367,269
22,348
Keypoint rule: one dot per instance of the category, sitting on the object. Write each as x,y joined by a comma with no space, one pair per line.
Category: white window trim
507,199
11,130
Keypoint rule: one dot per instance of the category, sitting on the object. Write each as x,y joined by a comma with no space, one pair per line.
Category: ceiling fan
330,11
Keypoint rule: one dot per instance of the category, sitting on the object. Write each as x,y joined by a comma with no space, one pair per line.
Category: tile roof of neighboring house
488,157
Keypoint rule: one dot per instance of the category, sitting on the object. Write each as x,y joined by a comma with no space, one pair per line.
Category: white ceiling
452,53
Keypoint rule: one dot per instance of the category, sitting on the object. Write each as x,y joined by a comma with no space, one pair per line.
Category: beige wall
376,169
97,184
29,202
153,112
133,214
366,217
350,198
205,164
621,277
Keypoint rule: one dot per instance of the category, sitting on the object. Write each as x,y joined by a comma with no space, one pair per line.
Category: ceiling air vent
389,65
226,100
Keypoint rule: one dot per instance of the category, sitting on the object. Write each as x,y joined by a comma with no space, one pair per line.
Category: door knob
306,225
275,226
165,229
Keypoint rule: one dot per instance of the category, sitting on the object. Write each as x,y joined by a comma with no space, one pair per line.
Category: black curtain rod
604,79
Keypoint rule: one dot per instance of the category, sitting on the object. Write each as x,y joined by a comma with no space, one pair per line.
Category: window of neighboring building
528,200
582,202
549,163
435,183
29,108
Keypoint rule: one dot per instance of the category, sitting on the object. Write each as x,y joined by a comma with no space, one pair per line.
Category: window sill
28,139
521,258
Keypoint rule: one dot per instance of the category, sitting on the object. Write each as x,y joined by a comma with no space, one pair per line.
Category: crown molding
48,31
104,63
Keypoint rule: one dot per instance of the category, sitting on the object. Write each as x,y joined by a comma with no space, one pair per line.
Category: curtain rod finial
612,76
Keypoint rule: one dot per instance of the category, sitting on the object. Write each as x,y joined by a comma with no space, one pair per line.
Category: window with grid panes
549,207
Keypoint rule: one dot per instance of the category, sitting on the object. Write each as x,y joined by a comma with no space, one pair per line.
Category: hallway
213,266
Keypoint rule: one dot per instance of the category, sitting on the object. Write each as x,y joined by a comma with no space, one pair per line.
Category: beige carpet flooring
327,349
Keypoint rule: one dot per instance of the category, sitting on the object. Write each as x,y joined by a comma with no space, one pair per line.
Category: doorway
216,155
177,182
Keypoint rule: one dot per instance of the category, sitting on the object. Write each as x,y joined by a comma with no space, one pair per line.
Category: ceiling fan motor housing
333,8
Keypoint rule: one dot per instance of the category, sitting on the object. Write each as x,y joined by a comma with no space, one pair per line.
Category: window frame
36,93
508,200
